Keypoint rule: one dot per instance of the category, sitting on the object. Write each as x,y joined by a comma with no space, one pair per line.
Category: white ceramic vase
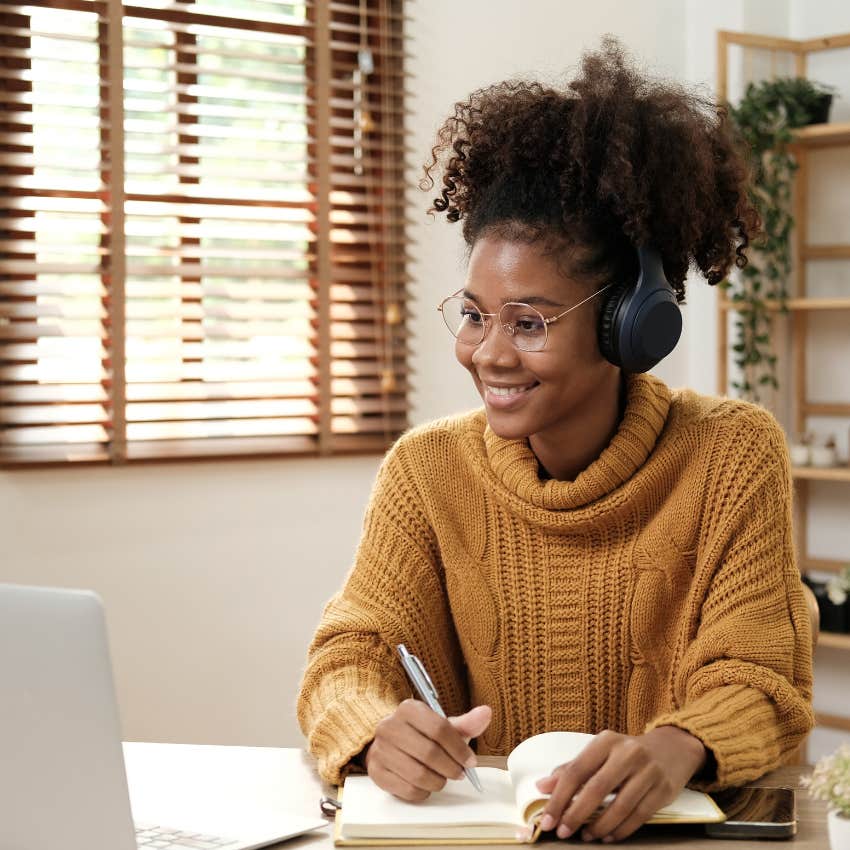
824,457
839,831
799,454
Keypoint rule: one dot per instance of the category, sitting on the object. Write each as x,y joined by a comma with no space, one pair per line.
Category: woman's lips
505,398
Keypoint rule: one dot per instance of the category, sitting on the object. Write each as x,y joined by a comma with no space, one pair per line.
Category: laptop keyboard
163,838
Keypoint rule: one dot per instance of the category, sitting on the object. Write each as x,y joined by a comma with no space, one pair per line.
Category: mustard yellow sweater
659,587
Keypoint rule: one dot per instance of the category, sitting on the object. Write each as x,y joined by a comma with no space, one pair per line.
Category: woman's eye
530,327
471,316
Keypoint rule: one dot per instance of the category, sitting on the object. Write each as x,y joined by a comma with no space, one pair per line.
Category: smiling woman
561,391
590,551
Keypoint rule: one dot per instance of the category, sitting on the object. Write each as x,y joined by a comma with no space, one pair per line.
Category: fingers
634,804
474,722
429,752
647,807
611,764
570,778
416,750
547,784
405,771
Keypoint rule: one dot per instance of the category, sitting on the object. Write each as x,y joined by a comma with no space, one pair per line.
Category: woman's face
548,387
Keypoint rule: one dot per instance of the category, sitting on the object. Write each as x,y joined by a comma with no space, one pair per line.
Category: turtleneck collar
514,464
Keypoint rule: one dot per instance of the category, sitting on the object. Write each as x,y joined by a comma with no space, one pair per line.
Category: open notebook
506,813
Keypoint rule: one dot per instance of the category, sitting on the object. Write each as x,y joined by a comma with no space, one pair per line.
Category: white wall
213,577
214,574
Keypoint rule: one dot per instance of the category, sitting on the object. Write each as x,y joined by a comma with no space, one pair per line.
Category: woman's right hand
415,750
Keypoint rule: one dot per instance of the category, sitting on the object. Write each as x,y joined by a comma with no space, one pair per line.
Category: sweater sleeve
393,594
744,684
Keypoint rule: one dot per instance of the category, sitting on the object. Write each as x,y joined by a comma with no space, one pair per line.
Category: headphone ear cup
608,330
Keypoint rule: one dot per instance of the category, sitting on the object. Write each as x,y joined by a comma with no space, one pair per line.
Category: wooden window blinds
203,249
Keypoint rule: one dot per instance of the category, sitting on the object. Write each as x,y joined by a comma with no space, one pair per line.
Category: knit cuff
345,712
737,725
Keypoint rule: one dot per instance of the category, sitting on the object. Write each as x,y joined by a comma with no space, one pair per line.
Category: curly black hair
616,160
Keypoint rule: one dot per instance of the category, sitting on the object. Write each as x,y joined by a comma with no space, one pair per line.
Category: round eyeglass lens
463,318
524,325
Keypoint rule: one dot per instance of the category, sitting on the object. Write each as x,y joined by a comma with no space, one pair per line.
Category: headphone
640,323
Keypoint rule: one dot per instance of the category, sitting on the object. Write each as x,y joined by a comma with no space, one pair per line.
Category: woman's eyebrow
531,299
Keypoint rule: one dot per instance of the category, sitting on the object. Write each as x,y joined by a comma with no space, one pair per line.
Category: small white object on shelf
800,451
800,454
824,456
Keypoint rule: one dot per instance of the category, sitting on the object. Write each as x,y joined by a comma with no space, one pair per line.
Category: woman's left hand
645,771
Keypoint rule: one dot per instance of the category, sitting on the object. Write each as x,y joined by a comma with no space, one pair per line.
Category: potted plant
765,118
830,781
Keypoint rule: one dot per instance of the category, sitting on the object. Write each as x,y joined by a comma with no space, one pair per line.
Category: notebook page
370,812
537,757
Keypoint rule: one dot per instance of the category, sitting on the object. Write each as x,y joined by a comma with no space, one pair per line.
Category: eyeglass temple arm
570,309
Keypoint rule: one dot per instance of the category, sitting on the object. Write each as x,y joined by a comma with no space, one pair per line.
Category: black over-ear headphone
641,322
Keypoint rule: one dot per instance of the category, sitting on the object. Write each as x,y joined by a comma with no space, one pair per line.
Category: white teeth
509,390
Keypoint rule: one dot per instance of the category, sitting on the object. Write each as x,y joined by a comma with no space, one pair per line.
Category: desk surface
811,817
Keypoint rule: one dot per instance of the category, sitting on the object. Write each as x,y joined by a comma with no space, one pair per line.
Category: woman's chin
508,427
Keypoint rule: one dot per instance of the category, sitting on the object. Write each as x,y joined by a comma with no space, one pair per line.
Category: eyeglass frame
510,336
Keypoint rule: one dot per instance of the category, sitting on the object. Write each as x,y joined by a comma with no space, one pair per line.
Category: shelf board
834,640
832,721
823,135
823,565
826,252
798,304
820,408
815,473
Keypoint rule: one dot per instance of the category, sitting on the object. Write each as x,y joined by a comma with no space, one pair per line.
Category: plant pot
800,454
823,457
839,830
819,114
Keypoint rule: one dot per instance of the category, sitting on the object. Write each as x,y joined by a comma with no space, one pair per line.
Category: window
203,248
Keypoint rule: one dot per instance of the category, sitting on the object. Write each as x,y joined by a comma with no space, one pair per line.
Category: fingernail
586,836
471,761
564,831
547,823
608,839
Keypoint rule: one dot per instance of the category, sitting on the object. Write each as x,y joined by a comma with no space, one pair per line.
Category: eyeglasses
524,326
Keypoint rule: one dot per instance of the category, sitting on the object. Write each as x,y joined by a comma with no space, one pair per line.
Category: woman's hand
415,750
645,771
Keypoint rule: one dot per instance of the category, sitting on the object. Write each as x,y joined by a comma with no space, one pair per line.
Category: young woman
591,551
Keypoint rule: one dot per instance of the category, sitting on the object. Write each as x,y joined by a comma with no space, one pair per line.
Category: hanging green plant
766,116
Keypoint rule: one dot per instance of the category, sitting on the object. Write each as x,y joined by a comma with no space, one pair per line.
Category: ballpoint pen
420,679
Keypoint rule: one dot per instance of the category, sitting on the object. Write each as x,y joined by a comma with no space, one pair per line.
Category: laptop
62,776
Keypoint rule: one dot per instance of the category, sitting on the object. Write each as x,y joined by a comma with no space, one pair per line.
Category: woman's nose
496,348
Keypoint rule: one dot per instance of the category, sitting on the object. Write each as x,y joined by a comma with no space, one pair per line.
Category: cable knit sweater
657,588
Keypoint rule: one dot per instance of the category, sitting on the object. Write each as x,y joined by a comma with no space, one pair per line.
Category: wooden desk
811,818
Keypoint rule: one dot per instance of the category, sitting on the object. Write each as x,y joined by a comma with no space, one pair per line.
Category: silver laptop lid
62,780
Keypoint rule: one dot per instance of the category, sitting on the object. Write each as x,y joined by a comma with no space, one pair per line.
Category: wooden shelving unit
807,141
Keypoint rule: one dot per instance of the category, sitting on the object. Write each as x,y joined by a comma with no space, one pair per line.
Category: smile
506,391
505,398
